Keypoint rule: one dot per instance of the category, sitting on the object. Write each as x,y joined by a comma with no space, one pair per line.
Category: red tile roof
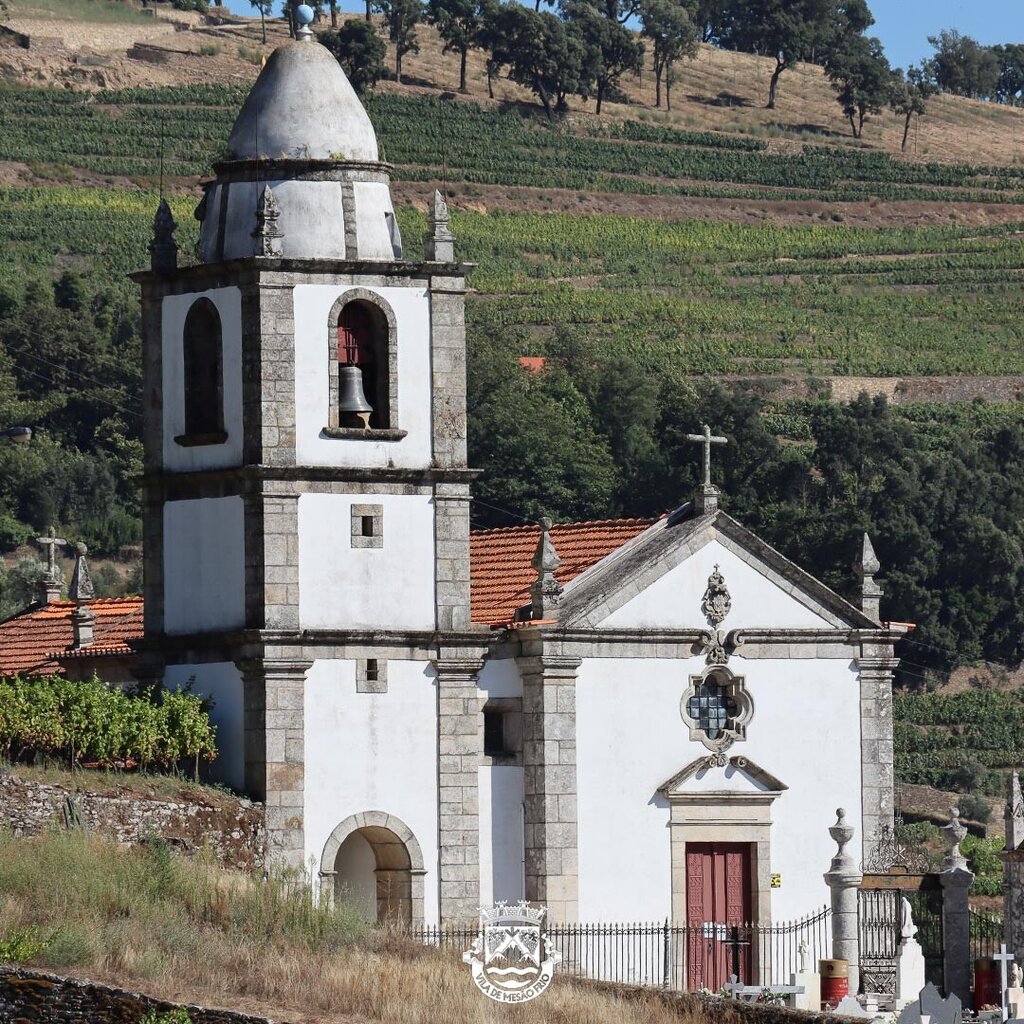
500,561
501,581
28,641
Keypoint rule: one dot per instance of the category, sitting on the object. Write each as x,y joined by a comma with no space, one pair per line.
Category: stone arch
385,401
398,864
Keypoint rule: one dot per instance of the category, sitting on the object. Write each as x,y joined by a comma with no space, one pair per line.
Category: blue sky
902,25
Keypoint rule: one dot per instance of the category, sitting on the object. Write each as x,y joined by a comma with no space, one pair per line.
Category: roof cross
50,543
707,439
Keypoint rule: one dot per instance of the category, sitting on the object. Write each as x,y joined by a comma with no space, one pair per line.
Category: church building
627,720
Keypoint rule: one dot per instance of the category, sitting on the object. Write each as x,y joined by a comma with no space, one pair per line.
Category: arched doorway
373,861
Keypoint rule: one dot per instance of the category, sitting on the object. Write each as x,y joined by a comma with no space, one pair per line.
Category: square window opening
367,525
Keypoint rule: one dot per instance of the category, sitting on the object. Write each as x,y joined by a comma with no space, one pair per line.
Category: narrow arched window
204,371
363,398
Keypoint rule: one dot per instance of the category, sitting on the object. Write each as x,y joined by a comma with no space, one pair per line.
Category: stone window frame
383,309
360,513
736,688
364,672
511,711
218,435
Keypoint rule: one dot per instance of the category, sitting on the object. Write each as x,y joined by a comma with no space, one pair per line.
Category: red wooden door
718,896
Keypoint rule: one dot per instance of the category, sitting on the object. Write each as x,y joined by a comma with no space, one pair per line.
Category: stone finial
870,592
50,586
546,591
163,250
81,582
1013,818
843,879
955,834
841,833
439,242
267,234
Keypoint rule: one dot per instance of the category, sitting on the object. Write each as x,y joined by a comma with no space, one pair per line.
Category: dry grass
188,931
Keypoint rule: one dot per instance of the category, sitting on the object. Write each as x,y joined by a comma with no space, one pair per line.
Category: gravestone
808,980
910,965
931,1004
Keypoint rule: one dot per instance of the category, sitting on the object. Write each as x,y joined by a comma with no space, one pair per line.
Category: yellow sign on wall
777,881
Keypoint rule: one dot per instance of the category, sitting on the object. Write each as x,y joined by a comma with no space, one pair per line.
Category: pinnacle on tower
267,234
81,592
1014,813
439,243
870,592
546,592
163,250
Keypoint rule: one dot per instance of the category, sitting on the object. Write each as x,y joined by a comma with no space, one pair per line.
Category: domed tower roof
302,178
302,107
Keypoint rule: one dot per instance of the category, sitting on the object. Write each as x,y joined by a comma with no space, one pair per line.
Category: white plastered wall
174,311
673,600
501,802
411,307
390,587
222,682
631,739
204,565
372,752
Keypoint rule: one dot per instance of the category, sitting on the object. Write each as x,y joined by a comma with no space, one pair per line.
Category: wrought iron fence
926,906
986,933
681,957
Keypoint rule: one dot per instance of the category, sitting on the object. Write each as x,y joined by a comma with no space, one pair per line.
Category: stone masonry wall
30,997
231,826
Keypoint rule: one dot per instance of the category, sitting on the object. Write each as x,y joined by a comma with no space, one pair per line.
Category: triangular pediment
717,774
658,580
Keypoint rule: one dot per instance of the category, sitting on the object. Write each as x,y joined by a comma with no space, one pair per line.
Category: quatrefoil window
717,707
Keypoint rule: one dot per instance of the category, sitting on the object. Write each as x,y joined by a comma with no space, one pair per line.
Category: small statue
1016,976
803,952
907,927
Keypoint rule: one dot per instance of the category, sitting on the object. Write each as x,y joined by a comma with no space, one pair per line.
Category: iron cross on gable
707,439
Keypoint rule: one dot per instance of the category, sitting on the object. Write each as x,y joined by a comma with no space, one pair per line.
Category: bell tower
306,492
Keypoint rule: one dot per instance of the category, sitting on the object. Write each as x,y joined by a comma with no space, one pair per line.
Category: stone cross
1004,959
51,543
707,439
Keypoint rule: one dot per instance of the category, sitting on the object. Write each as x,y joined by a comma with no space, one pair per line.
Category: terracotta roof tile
501,581
500,561
29,640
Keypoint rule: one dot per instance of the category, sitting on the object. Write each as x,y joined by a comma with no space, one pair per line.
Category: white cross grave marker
1004,959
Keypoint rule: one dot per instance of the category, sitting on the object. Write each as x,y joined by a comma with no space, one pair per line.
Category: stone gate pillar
843,879
956,880
1013,869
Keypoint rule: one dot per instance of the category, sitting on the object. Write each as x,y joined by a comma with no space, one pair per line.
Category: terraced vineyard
124,133
693,296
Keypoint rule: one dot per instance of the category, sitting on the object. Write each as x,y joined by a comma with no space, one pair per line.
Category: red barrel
986,984
835,982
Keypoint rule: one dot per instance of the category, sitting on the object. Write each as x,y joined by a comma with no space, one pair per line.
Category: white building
662,725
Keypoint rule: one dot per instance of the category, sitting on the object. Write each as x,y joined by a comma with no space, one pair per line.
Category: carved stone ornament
267,234
739,704
717,601
714,647
956,832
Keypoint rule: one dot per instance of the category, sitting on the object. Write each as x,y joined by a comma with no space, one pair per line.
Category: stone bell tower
306,492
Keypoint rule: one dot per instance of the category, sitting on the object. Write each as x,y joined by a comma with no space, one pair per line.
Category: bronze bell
353,408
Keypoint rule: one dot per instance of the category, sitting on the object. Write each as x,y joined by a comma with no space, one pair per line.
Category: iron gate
926,905
879,923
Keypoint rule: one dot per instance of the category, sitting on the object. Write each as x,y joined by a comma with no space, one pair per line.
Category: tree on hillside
788,30
670,27
401,18
266,8
963,66
862,79
610,49
333,4
708,17
909,95
1010,85
359,50
541,52
458,24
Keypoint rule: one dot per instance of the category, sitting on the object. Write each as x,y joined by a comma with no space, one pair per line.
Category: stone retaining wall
31,997
231,826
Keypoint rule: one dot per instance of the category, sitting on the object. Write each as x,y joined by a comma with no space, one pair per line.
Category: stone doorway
373,862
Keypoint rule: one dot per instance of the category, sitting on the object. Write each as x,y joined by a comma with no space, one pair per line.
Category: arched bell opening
361,386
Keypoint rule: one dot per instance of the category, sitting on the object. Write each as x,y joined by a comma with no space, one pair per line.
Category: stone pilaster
274,726
448,356
549,777
272,561
459,748
451,540
875,668
843,880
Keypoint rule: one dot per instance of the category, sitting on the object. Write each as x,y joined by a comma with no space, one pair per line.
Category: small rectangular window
371,670
494,733
367,526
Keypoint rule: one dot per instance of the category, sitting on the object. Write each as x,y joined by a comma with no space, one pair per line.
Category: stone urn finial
841,833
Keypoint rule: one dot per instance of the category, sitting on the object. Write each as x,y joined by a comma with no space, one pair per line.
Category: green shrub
21,946
974,808
68,947
179,1015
